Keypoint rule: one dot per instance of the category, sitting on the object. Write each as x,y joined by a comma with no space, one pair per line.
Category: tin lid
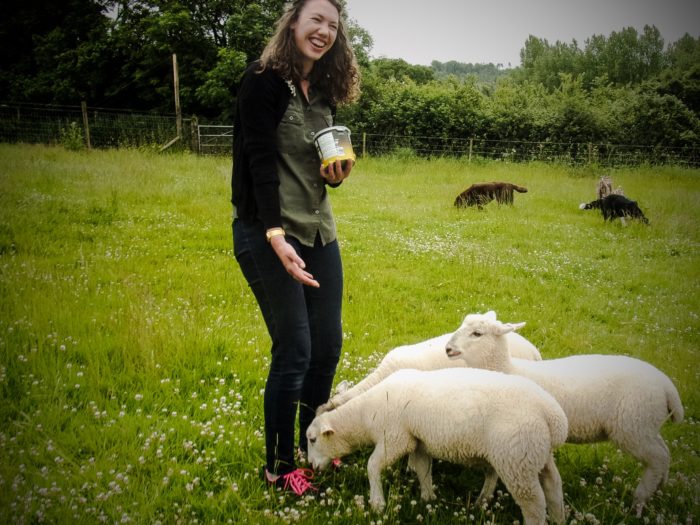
340,129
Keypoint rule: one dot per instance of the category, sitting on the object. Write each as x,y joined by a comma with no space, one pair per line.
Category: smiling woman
284,232
314,33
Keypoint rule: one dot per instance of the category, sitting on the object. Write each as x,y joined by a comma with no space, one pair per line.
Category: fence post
364,144
176,89
471,146
86,124
194,134
590,153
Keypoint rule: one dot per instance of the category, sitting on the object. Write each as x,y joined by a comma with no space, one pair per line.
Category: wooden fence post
176,89
86,124
194,132
471,147
364,144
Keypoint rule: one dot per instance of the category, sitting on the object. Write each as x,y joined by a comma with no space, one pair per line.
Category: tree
543,63
400,70
52,51
625,57
216,92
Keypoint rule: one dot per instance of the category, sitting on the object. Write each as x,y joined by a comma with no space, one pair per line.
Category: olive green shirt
304,202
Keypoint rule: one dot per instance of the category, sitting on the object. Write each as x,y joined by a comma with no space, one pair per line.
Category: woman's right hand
291,261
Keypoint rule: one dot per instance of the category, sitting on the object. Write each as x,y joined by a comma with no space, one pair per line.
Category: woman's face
315,30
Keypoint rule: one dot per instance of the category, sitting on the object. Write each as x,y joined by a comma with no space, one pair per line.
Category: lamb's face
479,340
320,439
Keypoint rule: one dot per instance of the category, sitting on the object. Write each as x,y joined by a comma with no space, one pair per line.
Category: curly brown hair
336,74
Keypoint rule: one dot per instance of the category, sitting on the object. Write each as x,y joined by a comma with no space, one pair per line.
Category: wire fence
523,151
93,127
83,126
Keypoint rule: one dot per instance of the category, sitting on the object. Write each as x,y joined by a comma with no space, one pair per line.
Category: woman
283,230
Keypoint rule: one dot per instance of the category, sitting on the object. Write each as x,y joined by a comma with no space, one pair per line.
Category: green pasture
133,356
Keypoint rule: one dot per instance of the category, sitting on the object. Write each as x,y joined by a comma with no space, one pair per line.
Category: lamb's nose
451,351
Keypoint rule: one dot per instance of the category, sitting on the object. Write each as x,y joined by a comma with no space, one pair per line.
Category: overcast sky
484,31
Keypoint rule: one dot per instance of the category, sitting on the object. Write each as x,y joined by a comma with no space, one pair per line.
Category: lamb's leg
381,458
375,465
490,480
654,455
553,493
383,370
422,464
343,397
528,494
523,483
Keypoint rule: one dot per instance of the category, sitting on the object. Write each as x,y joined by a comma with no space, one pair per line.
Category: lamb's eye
477,334
312,440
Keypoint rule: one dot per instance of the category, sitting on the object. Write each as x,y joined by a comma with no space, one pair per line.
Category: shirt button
313,133
316,212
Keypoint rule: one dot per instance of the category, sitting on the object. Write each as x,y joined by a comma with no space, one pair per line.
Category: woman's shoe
296,481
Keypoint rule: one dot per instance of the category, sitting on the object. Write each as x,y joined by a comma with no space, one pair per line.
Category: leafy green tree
250,24
52,52
625,57
518,111
682,78
361,42
216,90
661,119
145,35
684,53
487,73
543,63
400,70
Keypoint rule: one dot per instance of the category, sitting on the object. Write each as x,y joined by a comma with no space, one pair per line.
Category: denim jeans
304,324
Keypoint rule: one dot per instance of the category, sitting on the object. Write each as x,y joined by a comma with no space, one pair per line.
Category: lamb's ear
326,430
490,315
516,326
503,328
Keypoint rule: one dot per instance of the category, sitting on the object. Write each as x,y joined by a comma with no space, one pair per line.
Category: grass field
133,356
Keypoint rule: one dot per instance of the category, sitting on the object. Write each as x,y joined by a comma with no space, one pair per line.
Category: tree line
628,87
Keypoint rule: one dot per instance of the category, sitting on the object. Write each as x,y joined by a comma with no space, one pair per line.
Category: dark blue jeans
304,324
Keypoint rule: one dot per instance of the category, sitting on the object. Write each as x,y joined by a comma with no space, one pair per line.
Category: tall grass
133,356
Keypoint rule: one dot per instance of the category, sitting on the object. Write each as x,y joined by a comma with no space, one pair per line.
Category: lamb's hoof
582,206
483,501
377,506
321,409
342,387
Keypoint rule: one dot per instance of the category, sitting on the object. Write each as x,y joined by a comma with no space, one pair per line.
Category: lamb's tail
557,422
673,400
520,189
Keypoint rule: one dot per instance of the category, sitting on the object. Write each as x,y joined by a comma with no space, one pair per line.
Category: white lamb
605,397
458,415
426,355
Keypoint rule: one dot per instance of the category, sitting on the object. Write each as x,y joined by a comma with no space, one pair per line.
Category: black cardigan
261,103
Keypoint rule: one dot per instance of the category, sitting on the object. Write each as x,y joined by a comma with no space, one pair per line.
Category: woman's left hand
334,172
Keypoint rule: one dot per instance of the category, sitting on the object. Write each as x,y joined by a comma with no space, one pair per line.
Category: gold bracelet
274,232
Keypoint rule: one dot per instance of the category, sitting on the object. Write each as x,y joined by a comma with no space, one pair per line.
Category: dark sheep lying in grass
616,206
483,193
